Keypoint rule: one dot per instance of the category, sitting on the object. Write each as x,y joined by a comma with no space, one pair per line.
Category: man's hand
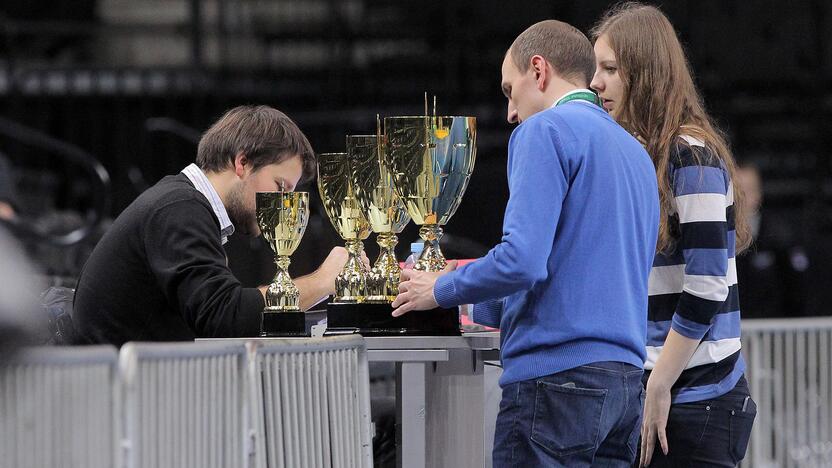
656,409
331,266
416,290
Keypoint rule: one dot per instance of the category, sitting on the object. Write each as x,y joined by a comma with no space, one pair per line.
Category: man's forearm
312,290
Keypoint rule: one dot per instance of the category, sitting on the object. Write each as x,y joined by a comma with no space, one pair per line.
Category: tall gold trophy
373,187
431,159
282,217
345,214
427,160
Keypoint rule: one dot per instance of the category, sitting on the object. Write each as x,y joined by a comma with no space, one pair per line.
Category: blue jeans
709,433
586,416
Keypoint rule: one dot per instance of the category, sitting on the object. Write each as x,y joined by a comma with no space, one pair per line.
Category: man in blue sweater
567,285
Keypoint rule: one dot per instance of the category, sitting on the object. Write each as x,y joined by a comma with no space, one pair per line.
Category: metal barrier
185,405
58,408
789,370
311,403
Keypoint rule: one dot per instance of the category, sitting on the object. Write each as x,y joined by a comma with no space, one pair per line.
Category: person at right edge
697,404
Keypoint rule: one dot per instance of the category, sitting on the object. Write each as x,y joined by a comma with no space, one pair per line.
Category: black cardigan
160,274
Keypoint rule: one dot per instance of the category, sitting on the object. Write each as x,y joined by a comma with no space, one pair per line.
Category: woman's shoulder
690,150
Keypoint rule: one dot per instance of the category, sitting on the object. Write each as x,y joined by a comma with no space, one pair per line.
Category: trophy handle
431,258
351,283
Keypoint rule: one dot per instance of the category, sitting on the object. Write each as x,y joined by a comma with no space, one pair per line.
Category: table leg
410,414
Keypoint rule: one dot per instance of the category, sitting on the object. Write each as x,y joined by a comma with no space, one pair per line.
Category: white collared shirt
201,183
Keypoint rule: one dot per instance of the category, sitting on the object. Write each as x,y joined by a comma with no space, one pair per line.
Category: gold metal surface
431,159
373,187
344,212
282,217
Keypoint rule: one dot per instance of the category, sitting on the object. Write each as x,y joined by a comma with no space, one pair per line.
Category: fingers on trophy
282,217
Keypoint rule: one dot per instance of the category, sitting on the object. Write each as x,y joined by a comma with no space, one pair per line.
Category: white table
442,396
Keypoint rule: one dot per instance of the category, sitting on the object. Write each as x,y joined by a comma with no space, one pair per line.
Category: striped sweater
694,289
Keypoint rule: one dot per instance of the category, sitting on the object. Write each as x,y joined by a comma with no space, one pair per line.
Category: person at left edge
160,272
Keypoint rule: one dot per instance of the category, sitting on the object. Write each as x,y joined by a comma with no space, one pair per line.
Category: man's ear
241,163
541,71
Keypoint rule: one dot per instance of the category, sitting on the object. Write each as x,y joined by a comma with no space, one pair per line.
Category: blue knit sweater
567,285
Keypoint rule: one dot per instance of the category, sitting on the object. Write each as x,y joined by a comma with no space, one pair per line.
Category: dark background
101,74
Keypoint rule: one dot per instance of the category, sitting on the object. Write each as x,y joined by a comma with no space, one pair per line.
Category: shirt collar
574,91
201,183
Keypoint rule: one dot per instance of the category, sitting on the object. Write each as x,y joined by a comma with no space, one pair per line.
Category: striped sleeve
701,190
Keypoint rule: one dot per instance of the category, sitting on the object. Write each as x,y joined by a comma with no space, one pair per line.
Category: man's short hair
562,45
263,134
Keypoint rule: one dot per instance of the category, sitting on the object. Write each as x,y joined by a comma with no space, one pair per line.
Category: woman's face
607,82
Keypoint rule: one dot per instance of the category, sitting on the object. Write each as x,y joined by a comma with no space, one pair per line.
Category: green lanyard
580,96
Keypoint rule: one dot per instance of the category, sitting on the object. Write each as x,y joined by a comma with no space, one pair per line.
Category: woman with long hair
697,403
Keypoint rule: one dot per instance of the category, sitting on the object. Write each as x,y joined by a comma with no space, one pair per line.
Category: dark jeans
709,433
586,416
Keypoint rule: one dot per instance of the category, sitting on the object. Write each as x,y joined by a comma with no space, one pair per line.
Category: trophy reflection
282,217
343,211
373,188
430,159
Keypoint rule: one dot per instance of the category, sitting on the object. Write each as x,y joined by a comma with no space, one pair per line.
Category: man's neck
222,182
557,89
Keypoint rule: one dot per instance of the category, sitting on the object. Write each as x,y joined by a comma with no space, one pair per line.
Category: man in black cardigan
160,272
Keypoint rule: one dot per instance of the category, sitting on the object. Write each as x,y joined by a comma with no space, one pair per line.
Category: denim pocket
566,419
740,430
635,436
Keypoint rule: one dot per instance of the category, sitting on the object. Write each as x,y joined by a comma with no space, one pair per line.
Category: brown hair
562,45
264,134
660,102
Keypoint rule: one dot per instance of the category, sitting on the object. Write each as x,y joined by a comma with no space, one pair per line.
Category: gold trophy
431,159
343,211
373,188
282,217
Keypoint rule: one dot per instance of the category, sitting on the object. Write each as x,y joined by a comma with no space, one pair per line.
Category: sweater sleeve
185,256
538,181
702,194
488,313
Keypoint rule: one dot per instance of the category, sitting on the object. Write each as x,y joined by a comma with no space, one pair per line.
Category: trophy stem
431,258
351,283
282,295
383,281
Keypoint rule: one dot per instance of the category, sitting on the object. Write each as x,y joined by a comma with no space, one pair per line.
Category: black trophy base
371,319
284,324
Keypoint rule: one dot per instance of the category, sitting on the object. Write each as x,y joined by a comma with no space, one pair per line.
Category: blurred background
99,99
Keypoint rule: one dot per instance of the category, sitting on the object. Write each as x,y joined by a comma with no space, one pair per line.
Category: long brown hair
660,102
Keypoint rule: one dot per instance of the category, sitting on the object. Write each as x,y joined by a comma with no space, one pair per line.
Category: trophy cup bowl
282,217
345,214
430,159
373,188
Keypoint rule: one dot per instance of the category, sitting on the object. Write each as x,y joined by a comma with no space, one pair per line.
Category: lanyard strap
579,96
